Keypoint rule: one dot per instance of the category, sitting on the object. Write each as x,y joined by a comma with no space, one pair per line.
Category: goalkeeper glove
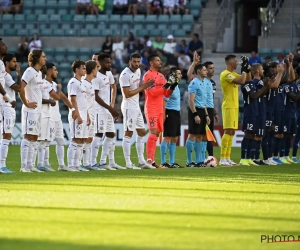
173,79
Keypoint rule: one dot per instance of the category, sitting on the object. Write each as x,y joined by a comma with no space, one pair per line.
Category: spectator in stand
170,45
132,7
120,7
254,58
147,42
296,61
144,7
181,8
116,63
23,50
16,6
169,6
83,7
4,6
184,61
130,44
158,43
144,60
35,43
156,7
195,45
280,59
107,45
268,59
97,7
182,47
164,59
139,47
118,48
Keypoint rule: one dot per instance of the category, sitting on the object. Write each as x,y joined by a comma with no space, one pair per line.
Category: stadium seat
277,51
187,19
163,19
58,32
187,27
51,4
54,18
27,11
58,57
66,26
95,32
162,26
175,19
139,18
127,19
72,51
63,11
65,73
91,18
66,18
174,27
107,32
71,32
114,27
85,51
195,13
150,26
151,19
40,3
43,18
60,50
102,18
79,18
48,51
31,18
154,32
71,58
10,32
18,26
89,26
115,19
39,11
6,26
7,18
142,33
63,4
30,26
50,12
30,4
179,33
64,66
22,32
194,5
19,18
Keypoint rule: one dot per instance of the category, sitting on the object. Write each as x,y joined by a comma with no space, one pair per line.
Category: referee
172,124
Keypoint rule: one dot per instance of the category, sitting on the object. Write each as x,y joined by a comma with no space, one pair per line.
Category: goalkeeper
229,81
154,104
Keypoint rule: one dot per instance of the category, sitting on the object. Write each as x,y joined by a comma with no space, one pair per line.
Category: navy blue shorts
278,122
269,119
261,125
289,126
250,124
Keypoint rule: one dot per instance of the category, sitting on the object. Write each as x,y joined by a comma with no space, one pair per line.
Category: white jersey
132,80
54,110
2,75
9,81
103,84
46,108
90,96
33,89
77,88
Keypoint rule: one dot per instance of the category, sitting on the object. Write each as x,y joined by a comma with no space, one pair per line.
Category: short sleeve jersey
33,89
54,110
290,105
2,75
173,102
90,97
250,105
9,81
261,101
280,99
298,102
199,89
154,95
210,93
131,80
230,90
103,83
46,108
77,88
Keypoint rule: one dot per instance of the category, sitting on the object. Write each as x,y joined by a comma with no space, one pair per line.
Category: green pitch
216,208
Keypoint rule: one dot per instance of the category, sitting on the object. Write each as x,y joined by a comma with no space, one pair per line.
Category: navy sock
288,142
271,144
210,148
265,147
249,148
244,147
257,150
295,143
277,142
282,147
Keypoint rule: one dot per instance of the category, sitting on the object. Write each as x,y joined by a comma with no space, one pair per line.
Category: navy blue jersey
261,101
290,105
271,94
280,99
250,105
298,102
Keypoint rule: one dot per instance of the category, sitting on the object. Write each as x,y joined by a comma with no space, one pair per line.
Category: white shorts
78,130
169,3
91,128
9,119
31,123
46,129
104,123
58,130
133,119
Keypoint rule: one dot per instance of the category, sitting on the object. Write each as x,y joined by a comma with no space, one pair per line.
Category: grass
211,208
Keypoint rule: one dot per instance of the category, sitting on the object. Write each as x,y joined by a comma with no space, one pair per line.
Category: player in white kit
130,79
9,113
78,127
88,81
31,96
50,96
105,115
57,131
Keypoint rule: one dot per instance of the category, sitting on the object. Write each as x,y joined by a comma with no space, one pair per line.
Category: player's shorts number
268,123
32,122
284,128
249,126
276,129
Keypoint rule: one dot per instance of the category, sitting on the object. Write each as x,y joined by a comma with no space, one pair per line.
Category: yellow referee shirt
230,90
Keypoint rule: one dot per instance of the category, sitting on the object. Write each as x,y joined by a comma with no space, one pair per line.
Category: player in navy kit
250,122
297,136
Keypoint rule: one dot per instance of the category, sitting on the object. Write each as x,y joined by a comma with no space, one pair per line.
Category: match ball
211,162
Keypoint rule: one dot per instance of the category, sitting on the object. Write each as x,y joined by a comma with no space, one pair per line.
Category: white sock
87,154
25,145
46,155
126,149
41,153
140,147
111,154
107,144
78,155
3,152
60,151
95,149
71,153
32,153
